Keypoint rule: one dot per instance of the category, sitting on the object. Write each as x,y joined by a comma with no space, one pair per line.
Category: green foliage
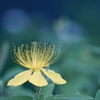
69,96
80,67
12,72
19,90
46,94
47,90
18,98
97,97
4,51
38,97
79,64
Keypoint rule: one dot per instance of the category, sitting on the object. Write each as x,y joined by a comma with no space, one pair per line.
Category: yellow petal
55,77
37,79
20,78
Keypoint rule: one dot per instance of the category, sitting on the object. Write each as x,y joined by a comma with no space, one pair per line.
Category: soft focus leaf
47,90
97,97
4,51
38,97
77,66
35,96
93,49
12,72
1,88
19,90
18,98
1,85
69,96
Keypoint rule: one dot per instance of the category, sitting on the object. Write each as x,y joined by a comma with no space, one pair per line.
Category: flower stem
37,90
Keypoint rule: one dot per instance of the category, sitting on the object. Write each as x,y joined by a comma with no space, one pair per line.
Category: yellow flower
36,57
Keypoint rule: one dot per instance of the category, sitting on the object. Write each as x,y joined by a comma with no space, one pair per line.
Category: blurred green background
72,24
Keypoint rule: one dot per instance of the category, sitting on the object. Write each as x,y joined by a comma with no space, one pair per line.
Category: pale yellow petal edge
55,77
20,78
38,79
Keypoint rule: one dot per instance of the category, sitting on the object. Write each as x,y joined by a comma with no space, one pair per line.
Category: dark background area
85,12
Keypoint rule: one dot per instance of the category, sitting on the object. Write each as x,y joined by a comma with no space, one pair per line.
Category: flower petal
20,78
37,79
55,77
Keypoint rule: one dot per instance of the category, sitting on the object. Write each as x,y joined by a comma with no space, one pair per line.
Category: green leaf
18,98
1,87
69,96
97,97
35,96
38,97
19,90
12,72
4,51
47,90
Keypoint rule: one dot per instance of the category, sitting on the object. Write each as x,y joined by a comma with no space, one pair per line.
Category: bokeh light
15,21
68,30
